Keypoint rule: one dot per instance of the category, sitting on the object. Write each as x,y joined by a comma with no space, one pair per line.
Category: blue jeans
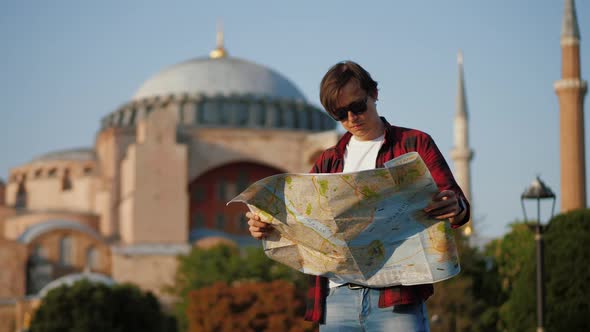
357,310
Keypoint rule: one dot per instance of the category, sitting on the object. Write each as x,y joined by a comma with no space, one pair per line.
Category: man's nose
351,116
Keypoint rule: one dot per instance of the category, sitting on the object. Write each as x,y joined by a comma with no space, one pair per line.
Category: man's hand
258,229
444,205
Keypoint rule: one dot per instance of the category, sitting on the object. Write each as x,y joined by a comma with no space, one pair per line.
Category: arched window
226,190
316,120
303,118
52,172
87,170
92,258
39,254
39,270
66,182
65,251
242,113
132,116
21,196
220,185
209,112
230,191
242,181
273,116
288,117
257,115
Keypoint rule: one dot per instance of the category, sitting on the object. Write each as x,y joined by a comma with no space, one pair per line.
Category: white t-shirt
360,156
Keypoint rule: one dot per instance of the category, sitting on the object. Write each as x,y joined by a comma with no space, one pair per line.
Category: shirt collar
389,138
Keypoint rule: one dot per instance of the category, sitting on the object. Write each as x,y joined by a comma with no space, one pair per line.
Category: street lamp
538,191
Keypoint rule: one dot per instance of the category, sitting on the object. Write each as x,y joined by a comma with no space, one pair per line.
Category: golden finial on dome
219,51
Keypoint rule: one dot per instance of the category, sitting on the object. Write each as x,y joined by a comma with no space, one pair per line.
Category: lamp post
538,191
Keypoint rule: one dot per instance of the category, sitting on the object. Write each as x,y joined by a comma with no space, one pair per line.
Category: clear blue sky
65,64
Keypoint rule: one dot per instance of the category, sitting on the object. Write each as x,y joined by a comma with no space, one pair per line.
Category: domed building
157,179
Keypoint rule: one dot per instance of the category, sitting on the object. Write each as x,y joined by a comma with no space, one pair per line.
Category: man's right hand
258,229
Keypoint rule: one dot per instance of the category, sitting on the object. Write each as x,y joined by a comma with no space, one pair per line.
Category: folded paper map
365,227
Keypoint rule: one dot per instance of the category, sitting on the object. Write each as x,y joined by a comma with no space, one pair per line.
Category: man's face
366,125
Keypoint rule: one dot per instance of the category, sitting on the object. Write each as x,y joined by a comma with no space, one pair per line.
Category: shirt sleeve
441,173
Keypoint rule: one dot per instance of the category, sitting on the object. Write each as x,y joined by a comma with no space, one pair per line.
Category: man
349,95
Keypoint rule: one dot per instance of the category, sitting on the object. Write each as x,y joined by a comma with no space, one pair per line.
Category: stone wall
54,185
286,150
7,317
154,186
13,256
151,272
16,224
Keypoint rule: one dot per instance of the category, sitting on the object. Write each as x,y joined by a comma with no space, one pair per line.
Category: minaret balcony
571,83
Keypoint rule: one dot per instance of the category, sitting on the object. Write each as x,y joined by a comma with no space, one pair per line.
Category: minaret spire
571,90
461,153
569,26
219,51
461,99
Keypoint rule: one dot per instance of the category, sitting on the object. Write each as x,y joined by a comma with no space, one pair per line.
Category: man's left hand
444,205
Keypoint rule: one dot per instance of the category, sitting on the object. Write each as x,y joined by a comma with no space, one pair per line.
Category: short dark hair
338,76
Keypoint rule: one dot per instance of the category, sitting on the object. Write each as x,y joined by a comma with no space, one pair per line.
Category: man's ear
375,94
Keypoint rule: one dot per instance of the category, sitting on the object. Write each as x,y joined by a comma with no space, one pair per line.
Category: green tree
518,313
511,253
567,272
512,257
467,302
90,307
204,267
496,290
566,275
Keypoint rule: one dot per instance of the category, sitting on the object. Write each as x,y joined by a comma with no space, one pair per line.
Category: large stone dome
223,92
219,76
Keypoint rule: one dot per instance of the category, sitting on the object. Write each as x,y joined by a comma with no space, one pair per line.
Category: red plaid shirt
398,141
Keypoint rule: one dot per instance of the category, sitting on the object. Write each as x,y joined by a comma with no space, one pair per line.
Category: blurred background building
156,181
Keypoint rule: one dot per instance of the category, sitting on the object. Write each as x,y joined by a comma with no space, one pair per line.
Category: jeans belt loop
354,286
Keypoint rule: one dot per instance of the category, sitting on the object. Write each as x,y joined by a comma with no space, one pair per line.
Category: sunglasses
357,108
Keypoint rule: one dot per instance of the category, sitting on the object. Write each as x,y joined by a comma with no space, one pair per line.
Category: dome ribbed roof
222,76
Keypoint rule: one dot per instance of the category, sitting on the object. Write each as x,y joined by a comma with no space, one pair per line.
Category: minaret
461,153
571,90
